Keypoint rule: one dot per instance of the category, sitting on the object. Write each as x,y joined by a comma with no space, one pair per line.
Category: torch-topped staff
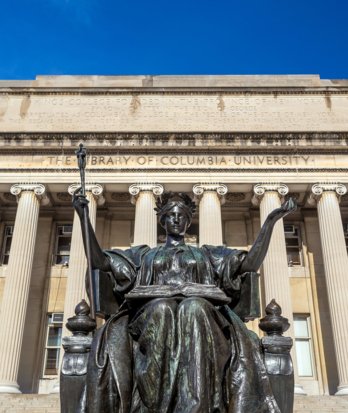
81,161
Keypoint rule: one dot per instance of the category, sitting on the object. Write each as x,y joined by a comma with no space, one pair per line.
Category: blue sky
112,37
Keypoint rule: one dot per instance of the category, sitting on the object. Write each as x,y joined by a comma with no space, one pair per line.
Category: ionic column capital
96,190
318,189
261,189
220,189
135,189
38,189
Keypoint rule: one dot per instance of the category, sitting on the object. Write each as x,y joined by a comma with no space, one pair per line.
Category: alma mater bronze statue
175,341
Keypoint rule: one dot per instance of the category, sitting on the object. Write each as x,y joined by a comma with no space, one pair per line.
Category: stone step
42,403
321,404
29,403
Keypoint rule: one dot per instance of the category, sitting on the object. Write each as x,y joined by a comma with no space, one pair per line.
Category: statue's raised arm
98,259
257,253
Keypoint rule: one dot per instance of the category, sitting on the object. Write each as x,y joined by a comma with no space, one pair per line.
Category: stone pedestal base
9,388
342,391
56,388
299,390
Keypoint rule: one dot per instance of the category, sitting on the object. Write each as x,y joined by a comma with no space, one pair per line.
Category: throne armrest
106,301
248,306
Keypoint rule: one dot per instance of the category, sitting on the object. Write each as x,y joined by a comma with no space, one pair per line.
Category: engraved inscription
185,113
173,162
185,161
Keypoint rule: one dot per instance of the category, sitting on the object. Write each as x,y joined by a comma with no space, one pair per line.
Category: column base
55,388
10,388
299,390
342,390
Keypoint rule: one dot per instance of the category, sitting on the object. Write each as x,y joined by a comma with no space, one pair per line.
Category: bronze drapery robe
176,356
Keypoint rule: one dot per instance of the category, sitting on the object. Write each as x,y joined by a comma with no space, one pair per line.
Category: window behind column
62,244
303,345
6,244
293,245
53,343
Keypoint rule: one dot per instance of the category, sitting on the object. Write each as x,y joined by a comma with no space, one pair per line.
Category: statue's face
176,221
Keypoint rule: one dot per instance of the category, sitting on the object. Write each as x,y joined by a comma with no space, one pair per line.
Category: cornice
303,170
247,91
270,141
177,151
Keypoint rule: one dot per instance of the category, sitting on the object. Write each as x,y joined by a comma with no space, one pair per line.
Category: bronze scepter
81,161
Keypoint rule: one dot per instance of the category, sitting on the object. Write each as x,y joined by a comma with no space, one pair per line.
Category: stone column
76,285
16,291
210,225
75,289
145,225
336,271
275,264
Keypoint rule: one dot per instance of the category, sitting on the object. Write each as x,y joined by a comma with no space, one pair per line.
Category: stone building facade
239,144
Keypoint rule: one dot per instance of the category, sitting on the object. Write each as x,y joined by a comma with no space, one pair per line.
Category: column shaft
145,224
76,287
210,223
275,264
336,275
16,291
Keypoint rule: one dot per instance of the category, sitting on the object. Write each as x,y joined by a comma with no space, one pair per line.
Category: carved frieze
63,196
8,197
120,196
111,141
234,197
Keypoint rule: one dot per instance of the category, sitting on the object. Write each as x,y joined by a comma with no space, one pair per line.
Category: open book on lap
211,293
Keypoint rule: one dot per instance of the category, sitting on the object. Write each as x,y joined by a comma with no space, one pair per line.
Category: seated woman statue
177,353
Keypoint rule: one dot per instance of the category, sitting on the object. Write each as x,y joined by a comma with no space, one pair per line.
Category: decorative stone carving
235,197
318,189
220,189
38,189
120,196
135,189
64,196
261,189
135,103
8,197
95,189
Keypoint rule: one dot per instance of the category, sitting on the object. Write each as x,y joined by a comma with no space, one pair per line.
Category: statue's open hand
80,202
287,207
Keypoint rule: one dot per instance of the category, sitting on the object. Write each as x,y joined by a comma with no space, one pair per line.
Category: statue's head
175,211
